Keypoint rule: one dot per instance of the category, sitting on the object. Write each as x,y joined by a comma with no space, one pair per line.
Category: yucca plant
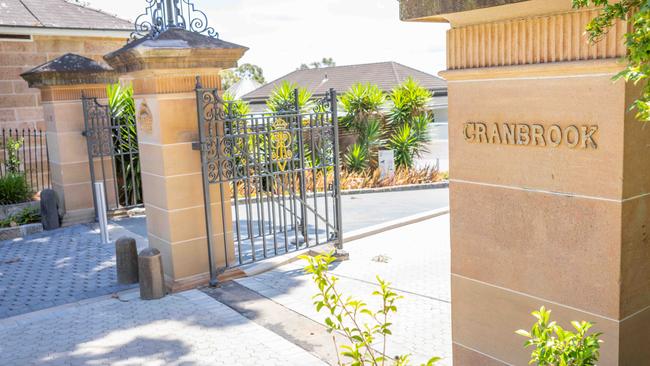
361,103
409,100
404,143
356,158
235,107
282,98
409,120
122,109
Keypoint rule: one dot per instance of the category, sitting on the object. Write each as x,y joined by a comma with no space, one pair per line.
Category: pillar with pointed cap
163,69
62,82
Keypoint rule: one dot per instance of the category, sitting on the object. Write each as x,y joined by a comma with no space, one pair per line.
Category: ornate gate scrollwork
277,175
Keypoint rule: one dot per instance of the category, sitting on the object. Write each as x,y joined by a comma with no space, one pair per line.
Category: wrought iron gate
278,174
113,156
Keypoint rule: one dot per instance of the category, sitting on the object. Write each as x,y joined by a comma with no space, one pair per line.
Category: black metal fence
29,156
113,156
281,171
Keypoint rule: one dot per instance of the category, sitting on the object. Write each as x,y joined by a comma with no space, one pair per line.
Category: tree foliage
637,40
231,77
325,62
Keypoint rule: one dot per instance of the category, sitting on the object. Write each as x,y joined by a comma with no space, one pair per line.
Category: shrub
356,159
555,346
282,99
235,107
122,109
14,189
361,103
364,328
28,215
13,157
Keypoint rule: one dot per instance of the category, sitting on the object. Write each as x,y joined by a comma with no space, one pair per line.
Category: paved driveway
414,258
183,329
59,267
70,264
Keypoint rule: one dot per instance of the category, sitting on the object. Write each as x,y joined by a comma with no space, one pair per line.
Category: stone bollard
152,280
126,252
50,210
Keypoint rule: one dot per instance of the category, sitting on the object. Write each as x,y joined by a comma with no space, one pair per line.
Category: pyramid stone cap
70,69
175,48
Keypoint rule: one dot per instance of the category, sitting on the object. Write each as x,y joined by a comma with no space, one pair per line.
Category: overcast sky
282,34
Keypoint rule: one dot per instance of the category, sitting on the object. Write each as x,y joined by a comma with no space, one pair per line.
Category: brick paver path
415,259
58,267
183,329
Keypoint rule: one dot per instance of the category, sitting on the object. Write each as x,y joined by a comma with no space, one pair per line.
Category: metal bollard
100,199
150,271
126,253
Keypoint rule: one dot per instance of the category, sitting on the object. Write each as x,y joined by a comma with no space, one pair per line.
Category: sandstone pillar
163,71
62,82
550,187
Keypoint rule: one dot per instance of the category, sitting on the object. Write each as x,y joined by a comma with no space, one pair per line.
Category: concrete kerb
408,187
267,265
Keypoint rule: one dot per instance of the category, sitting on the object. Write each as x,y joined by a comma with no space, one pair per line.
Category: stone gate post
550,186
62,82
163,71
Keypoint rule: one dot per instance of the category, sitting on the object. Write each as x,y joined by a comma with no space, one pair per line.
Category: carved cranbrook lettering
554,135
538,135
523,134
509,133
468,132
481,132
572,136
495,135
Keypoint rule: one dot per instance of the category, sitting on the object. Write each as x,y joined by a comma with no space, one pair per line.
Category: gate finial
161,15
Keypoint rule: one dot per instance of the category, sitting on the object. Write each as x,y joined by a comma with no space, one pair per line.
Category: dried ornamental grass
349,181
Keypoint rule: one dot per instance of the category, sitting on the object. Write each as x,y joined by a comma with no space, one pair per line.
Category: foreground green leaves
354,319
637,41
555,346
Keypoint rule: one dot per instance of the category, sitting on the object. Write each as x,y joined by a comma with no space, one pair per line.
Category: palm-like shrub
282,99
122,109
409,100
235,107
356,159
408,122
362,104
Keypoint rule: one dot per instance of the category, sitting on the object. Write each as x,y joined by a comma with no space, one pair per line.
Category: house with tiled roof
386,75
33,32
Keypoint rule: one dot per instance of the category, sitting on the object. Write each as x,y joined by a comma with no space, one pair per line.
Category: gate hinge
84,133
196,146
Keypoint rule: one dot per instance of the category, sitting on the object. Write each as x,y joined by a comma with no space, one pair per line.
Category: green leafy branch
637,41
555,346
346,316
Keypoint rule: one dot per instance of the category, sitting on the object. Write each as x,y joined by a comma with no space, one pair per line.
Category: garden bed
11,210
